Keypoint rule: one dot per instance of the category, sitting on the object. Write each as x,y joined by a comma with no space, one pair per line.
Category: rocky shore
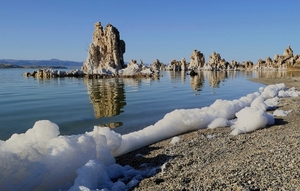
211,159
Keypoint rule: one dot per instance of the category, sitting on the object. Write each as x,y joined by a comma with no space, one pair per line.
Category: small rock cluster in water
51,73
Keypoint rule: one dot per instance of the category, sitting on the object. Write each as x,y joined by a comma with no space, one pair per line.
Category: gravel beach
211,159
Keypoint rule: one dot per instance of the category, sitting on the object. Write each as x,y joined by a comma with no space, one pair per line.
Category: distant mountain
42,63
32,66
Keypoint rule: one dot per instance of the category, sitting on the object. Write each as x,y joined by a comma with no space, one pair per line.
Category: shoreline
211,159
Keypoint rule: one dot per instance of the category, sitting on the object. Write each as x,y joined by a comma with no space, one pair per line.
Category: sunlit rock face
197,60
247,64
288,59
283,60
156,66
176,65
288,52
214,60
105,55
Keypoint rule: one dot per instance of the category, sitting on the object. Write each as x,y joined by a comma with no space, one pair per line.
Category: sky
239,30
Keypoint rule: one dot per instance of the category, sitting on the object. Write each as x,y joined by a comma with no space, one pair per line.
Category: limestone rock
132,69
142,65
174,65
132,62
259,65
214,59
288,52
223,65
156,65
233,65
183,64
105,52
51,73
216,62
247,64
269,62
135,70
279,61
197,60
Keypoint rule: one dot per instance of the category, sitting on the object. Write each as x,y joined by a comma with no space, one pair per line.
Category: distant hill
40,63
26,66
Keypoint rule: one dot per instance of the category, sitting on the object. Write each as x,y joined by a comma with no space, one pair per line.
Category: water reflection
214,78
107,96
177,75
275,74
109,99
197,81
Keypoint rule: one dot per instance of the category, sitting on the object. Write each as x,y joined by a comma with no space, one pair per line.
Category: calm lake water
76,105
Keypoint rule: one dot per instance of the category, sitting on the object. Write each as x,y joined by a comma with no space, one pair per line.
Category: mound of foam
279,112
250,119
219,122
41,159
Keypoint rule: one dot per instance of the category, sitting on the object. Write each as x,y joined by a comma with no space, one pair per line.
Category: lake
76,105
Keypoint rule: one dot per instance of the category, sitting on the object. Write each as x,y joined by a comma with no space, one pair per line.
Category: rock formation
105,52
268,62
288,52
51,73
156,66
176,65
197,60
233,65
135,70
247,64
223,65
183,64
105,56
288,59
214,60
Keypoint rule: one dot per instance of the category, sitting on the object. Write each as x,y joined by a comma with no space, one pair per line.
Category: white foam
175,140
282,113
250,119
272,102
219,122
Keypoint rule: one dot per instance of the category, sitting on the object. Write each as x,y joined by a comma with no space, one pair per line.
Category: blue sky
154,29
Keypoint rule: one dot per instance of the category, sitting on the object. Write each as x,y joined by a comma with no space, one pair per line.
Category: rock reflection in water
197,81
107,97
178,75
275,73
216,77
